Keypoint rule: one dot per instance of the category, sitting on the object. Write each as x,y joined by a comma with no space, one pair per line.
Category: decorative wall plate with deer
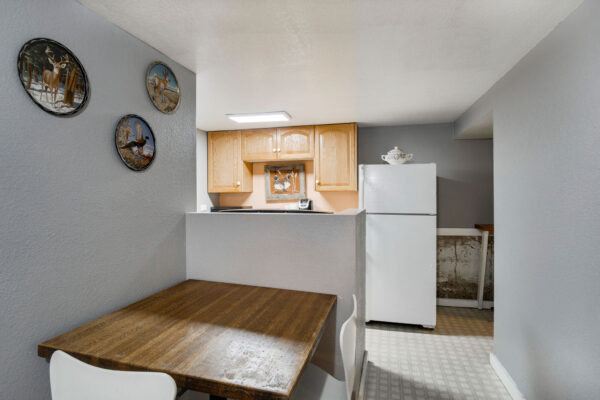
135,142
285,182
163,87
53,77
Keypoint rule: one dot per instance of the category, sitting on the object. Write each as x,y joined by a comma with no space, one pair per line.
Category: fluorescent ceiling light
273,116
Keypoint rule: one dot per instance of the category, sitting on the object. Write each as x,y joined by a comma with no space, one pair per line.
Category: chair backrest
348,347
71,379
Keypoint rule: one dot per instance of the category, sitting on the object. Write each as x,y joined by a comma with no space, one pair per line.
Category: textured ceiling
372,61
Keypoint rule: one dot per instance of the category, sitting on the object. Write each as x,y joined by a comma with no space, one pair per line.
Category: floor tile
451,362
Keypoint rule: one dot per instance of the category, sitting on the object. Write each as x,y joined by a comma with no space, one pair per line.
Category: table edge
45,350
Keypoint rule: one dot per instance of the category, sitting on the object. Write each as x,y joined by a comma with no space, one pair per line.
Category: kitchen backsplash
322,201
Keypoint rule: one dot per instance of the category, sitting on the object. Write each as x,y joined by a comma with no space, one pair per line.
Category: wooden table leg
484,248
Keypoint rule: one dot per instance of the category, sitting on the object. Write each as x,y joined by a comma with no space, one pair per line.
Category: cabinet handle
274,150
317,181
278,149
238,183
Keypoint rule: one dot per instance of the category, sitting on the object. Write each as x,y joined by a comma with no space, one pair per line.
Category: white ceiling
376,62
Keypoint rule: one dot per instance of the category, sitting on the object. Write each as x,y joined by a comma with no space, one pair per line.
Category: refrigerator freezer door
401,269
399,189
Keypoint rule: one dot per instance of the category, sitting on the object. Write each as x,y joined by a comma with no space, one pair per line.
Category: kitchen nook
299,200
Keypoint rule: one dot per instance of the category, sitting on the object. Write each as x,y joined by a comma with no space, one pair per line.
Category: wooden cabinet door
335,158
296,143
226,171
259,144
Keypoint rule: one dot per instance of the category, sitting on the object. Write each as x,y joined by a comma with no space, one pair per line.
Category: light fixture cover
272,116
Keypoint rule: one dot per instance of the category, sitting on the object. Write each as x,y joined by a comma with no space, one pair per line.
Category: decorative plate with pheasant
135,142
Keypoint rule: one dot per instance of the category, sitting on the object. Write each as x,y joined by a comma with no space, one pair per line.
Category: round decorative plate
135,142
53,77
162,86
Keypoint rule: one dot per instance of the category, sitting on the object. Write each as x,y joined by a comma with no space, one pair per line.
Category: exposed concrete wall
458,261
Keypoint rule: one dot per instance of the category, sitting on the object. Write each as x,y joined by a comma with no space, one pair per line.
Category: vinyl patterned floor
451,362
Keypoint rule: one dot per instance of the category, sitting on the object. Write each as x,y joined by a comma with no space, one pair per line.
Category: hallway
451,362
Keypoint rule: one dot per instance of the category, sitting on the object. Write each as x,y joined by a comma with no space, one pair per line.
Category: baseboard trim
505,378
463,303
363,377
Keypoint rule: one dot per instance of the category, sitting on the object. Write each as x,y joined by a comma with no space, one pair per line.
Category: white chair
71,379
317,384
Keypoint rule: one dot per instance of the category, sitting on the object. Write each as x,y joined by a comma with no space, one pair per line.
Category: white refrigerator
401,206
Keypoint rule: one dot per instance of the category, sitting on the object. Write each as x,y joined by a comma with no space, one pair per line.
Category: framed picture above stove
285,182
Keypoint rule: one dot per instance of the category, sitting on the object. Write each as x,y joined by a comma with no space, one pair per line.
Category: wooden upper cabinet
227,172
259,144
296,143
333,148
291,143
335,158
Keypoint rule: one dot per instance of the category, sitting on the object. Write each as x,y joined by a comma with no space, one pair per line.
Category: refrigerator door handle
361,186
383,213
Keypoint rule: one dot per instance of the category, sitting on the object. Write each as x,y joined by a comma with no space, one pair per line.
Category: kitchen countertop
350,211
273,211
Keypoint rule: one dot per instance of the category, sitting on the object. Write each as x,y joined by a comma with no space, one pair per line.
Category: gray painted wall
464,167
316,253
477,121
81,235
203,198
547,191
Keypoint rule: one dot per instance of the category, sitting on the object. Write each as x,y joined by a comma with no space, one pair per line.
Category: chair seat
317,384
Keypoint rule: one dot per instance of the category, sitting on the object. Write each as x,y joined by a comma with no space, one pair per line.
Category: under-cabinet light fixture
272,116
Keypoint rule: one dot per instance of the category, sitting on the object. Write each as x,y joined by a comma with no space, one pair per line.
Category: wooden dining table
228,340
